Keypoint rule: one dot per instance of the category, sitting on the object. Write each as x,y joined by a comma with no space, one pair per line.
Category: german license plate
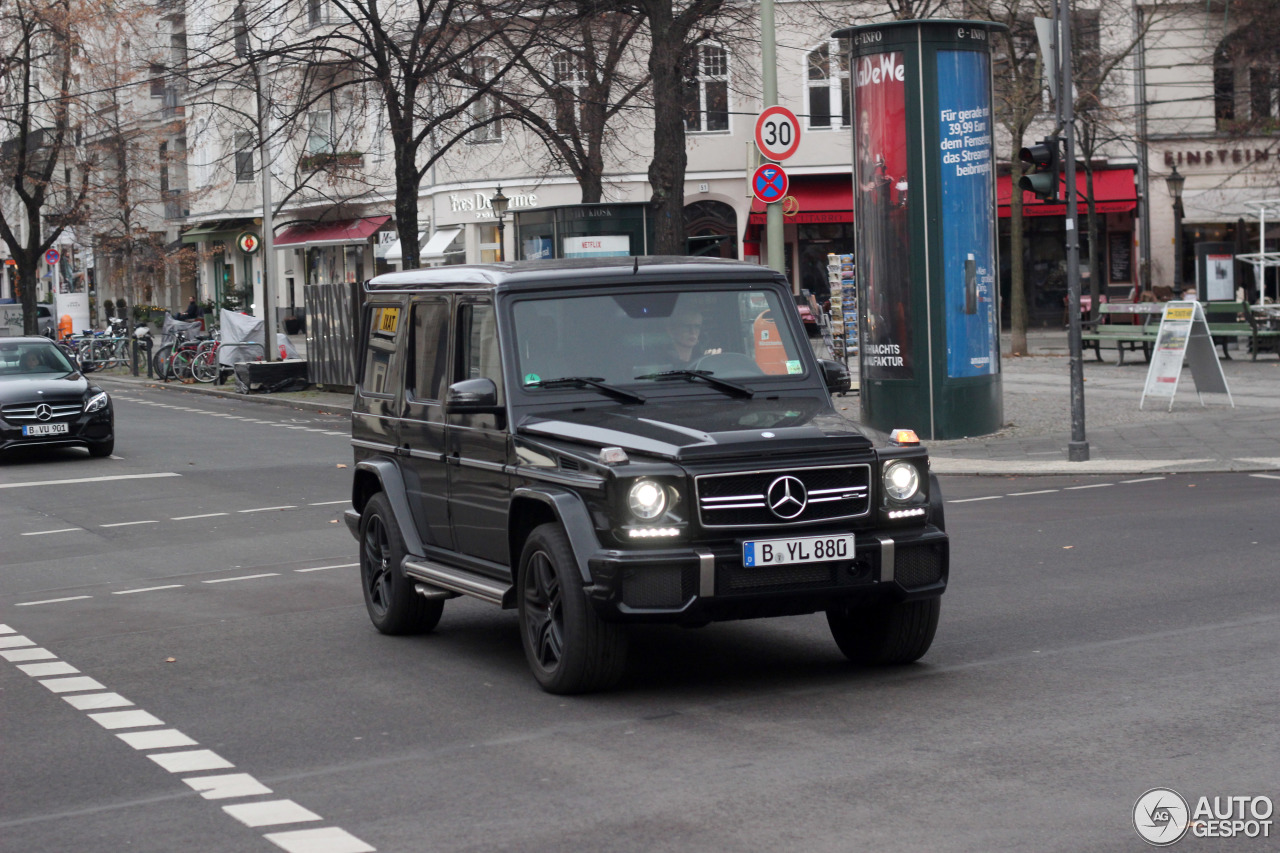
44,429
801,549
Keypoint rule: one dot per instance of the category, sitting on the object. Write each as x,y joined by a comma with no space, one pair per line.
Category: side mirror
835,375
473,396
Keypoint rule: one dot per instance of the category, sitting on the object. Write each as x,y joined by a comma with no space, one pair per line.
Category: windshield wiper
705,376
589,382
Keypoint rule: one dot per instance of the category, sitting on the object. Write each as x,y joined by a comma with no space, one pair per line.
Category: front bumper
700,584
83,429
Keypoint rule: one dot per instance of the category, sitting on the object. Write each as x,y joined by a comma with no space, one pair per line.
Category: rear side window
384,330
428,343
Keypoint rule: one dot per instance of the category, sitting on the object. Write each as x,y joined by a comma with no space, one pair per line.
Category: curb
302,405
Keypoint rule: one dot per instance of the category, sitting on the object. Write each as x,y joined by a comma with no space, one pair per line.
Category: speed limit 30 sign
777,133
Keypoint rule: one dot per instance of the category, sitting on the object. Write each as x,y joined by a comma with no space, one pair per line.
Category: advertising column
925,220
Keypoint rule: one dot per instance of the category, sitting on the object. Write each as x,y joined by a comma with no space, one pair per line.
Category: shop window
570,79
827,86
488,243
706,88
485,109
244,157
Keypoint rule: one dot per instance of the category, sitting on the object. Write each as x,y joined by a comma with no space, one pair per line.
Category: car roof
576,272
27,339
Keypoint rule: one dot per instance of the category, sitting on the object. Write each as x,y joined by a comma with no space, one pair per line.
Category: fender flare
573,516
392,483
936,514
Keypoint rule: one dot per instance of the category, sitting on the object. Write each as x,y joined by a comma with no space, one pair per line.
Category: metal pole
1078,448
1177,247
1144,165
769,60
268,237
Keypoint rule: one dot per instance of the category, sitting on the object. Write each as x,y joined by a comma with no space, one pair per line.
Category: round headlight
647,500
901,481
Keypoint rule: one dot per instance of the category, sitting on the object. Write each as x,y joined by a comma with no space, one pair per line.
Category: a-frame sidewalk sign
1184,334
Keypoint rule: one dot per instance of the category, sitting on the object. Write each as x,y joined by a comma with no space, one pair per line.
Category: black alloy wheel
569,647
393,604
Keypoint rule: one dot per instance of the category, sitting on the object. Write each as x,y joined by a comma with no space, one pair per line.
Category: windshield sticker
794,367
532,379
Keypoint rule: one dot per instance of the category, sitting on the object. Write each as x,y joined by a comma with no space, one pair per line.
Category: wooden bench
1115,324
1232,320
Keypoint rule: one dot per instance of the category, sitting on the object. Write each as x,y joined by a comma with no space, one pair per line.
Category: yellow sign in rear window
388,320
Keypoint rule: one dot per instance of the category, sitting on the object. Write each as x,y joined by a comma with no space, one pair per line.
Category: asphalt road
1102,636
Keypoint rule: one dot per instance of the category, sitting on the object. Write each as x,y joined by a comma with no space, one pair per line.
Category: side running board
460,581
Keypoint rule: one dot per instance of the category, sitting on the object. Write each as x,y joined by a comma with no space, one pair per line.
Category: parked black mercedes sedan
45,400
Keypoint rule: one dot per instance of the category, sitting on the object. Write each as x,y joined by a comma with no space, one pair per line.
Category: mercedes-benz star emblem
787,497
43,412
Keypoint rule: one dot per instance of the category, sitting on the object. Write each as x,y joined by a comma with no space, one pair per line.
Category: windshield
29,359
640,338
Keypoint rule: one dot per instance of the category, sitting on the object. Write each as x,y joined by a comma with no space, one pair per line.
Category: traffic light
1040,163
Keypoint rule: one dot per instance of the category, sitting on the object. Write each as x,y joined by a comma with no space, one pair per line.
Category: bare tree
45,178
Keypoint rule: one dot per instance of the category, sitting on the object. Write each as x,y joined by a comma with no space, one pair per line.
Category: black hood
42,387
686,430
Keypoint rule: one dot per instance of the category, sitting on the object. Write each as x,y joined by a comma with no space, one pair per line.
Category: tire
205,366
393,604
569,647
885,634
160,361
180,364
102,449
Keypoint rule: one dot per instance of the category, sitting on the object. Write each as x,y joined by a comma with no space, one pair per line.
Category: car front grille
742,499
28,411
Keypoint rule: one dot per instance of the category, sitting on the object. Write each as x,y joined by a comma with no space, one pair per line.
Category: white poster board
601,246
1220,277
1184,336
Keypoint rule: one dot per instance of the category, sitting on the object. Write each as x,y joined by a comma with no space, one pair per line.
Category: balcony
331,160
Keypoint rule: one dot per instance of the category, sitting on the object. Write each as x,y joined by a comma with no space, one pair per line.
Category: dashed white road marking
1090,486
72,684
191,760
331,503
131,523
15,641
148,589
160,739
243,578
126,719
40,670
202,515
96,701
267,508
1267,476
270,813
227,785
1143,480
1038,492
330,839
20,655
971,500
50,601
59,530
323,568
89,480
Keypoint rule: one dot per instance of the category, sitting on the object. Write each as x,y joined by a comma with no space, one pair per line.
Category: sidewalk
1037,414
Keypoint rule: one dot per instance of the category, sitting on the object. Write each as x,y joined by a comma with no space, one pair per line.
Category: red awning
334,233
1113,192
822,198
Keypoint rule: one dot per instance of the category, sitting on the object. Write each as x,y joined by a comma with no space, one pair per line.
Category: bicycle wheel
124,353
180,364
160,361
84,356
205,366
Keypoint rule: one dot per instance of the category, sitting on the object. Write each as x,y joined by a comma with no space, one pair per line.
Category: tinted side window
384,330
478,351
428,344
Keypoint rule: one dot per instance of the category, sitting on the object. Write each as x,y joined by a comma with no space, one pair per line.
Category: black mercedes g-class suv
601,442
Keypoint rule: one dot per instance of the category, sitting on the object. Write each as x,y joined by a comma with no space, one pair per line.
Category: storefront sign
603,246
248,242
1184,334
880,197
1221,156
538,249
479,202
968,244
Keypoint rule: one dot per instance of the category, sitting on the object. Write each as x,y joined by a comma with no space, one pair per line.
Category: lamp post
499,203
1174,182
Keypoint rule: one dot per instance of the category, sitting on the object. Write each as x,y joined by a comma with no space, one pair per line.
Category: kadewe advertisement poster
968,246
884,268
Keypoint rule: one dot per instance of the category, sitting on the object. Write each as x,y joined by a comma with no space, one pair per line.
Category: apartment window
317,12
240,31
163,157
485,109
157,80
828,86
706,88
244,157
320,132
570,79
1262,92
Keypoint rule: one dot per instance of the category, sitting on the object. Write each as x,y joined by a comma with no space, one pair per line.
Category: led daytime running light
652,532
906,513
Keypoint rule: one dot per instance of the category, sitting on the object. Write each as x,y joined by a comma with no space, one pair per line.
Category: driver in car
685,330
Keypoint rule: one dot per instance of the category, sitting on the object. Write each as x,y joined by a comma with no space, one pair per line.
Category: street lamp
499,203
1174,182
